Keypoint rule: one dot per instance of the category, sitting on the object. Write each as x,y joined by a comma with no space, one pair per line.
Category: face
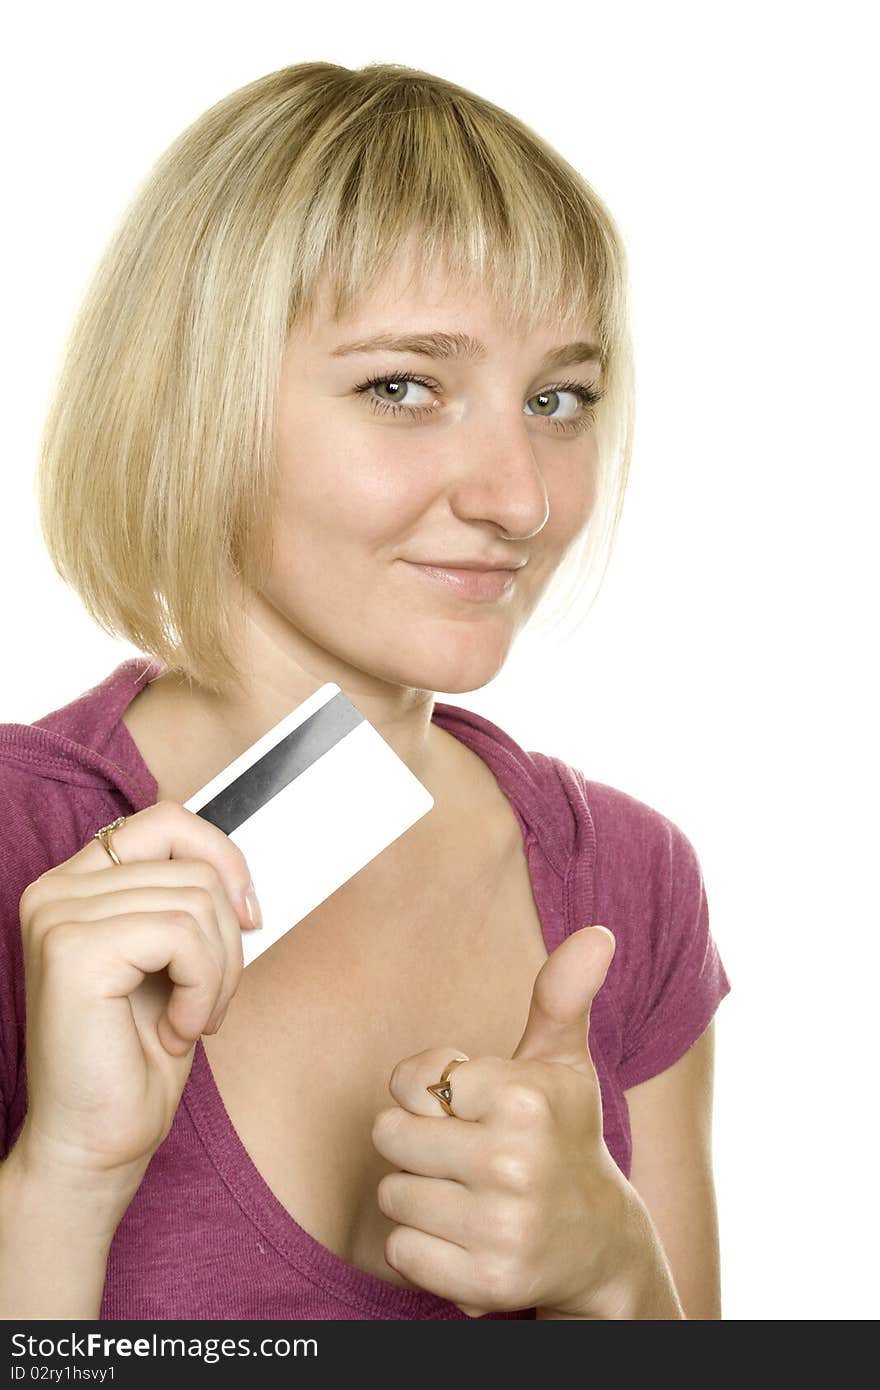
440,459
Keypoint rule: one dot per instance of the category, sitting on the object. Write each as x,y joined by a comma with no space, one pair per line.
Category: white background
726,675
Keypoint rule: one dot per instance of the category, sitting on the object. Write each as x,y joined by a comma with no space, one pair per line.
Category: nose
499,479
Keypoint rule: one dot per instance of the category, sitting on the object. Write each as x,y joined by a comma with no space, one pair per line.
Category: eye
578,416
552,403
399,388
551,406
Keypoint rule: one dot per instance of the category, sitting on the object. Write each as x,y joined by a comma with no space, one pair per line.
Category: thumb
558,1024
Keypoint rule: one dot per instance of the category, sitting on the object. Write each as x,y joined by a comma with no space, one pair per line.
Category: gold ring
442,1089
105,833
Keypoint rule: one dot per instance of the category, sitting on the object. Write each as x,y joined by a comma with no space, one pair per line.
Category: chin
455,667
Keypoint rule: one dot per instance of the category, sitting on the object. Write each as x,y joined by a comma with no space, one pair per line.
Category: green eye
587,396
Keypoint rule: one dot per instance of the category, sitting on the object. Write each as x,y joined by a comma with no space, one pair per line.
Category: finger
206,906
190,886
436,1148
117,953
558,1025
168,830
474,1085
205,896
438,1206
195,992
444,1269
224,932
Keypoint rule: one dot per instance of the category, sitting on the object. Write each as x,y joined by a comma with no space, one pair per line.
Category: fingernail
253,907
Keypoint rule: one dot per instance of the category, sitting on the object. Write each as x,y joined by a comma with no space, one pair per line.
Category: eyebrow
449,346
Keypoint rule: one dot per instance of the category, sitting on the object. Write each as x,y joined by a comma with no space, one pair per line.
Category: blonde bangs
157,463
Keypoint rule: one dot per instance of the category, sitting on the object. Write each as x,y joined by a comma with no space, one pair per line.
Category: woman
360,337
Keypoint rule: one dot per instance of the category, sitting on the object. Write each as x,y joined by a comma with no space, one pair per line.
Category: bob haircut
157,456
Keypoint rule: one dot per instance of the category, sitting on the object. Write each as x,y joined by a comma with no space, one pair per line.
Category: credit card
316,798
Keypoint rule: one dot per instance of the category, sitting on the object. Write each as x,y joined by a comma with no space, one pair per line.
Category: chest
304,1057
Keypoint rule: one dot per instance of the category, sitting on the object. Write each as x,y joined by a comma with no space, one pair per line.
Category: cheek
337,488
572,493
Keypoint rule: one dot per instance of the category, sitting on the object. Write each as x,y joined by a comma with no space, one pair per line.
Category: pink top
204,1237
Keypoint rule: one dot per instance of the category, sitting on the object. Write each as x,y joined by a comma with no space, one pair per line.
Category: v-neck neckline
201,1096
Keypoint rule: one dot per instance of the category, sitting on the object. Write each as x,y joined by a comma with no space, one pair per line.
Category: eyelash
589,396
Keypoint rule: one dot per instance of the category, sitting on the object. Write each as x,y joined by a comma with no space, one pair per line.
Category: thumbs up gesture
514,1200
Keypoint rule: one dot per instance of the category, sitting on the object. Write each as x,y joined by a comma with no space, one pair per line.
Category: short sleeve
25,853
9,1041
15,874
49,811
675,976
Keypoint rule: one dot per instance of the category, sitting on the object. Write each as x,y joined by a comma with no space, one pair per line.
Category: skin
480,472
514,1201
484,468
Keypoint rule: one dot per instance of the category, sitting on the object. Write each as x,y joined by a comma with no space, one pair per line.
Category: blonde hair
157,458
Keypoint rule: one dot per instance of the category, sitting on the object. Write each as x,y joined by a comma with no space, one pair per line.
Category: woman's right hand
125,967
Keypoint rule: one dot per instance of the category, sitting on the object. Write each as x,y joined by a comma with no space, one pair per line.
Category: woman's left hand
514,1201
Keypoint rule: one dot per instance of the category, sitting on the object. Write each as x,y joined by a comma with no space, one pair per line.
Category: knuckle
510,1170
184,921
201,898
37,896
28,899
28,908
204,875
523,1102
60,942
493,1274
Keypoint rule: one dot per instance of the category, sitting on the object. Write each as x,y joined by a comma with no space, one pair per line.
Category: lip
483,565
477,585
